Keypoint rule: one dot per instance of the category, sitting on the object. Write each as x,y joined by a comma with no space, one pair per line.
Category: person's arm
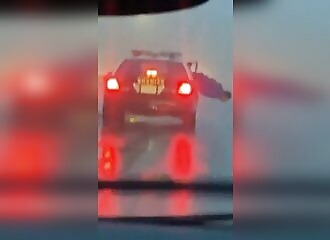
210,88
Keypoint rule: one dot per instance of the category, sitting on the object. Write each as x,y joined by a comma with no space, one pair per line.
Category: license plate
150,81
146,89
149,85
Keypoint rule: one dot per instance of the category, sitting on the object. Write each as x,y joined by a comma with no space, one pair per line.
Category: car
150,84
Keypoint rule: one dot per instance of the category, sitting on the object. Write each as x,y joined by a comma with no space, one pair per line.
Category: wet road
156,148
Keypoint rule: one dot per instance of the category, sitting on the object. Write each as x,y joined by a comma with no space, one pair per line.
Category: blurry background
281,98
286,43
288,37
48,140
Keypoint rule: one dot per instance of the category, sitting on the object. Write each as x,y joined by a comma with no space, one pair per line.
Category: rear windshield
131,70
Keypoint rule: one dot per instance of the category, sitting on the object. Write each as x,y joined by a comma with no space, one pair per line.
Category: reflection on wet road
157,149
175,203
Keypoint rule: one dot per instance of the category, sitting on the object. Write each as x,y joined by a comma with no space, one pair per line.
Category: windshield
131,70
154,147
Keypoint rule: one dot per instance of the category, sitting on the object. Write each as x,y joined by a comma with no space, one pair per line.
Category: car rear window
131,70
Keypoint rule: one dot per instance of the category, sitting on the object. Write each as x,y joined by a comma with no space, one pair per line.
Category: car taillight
112,84
185,89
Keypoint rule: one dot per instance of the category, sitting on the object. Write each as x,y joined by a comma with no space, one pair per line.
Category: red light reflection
25,204
180,203
109,162
108,204
251,158
29,156
182,161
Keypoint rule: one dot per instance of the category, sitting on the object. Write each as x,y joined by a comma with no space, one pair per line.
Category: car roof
161,60
155,60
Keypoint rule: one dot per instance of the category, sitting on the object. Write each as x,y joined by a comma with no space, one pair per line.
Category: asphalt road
156,148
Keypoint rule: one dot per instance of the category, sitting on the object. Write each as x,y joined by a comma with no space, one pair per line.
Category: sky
203,33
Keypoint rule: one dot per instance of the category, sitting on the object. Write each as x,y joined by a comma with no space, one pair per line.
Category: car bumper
153,106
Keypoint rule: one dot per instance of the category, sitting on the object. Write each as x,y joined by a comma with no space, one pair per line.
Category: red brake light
185,89
112,84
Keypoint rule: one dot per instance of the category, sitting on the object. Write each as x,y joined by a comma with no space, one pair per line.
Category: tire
113,119
189,121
